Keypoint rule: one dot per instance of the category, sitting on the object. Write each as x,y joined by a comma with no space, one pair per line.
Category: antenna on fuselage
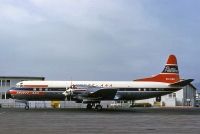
70,91
71,81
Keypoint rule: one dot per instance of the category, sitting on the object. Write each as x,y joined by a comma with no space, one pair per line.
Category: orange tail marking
170,74
172,60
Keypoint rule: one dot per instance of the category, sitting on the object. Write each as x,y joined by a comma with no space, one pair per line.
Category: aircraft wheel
89,106
98,107
27,107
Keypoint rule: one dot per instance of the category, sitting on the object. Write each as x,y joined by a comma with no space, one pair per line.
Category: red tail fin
170,73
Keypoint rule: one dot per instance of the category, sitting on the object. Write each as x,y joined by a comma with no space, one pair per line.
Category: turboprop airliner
93,92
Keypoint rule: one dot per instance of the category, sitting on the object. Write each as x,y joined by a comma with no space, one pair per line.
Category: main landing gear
89,106
96,106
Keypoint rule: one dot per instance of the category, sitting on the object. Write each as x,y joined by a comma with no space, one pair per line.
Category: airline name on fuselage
93,85
28,92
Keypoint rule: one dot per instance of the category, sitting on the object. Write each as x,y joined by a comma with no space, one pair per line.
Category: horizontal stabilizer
182,83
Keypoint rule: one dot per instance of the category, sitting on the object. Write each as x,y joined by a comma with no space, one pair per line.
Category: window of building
3,83
174,95
170,95
8,83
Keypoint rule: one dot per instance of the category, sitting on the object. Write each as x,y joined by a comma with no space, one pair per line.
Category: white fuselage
114,84
106,90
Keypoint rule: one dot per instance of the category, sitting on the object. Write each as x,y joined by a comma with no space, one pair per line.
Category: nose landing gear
25,102
26,107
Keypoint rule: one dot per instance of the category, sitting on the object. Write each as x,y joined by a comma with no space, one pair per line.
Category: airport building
6,82
198,99
183,97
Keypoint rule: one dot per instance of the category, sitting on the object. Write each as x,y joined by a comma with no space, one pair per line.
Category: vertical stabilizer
170,73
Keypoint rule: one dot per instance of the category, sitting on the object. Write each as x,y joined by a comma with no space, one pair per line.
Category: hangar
184,97
6,82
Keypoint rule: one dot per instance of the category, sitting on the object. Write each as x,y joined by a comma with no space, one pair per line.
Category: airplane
93,92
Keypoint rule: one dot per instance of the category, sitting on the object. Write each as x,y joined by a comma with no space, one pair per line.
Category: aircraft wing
104,93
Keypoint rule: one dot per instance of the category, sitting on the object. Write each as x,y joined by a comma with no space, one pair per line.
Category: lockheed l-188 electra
93,92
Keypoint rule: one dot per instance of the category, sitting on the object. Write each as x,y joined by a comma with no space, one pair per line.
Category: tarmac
107,121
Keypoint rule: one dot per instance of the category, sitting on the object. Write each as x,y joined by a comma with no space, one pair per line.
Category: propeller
75,91
69,92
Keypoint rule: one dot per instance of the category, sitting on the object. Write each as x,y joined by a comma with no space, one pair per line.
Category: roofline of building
22,77
192,86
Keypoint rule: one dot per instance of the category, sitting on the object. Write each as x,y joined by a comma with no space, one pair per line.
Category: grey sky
98,39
